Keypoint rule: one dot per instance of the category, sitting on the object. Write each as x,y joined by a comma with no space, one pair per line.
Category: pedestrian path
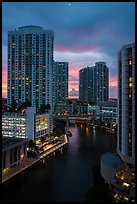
18,168
26,162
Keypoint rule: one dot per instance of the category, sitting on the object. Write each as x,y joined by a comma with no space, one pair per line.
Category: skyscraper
94,83
102,82
87,84
126,103
119,169
60,82
30,65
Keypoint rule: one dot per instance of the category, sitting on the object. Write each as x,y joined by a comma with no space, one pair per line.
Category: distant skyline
85,33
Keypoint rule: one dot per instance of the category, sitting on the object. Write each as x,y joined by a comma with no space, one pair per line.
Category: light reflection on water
65,177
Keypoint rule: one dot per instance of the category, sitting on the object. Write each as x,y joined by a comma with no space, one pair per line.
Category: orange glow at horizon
4,82
73,84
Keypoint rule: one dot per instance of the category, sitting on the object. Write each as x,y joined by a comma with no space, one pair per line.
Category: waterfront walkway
27,162
18,168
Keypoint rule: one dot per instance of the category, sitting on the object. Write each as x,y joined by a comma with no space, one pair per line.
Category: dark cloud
85,32
81,22
73,92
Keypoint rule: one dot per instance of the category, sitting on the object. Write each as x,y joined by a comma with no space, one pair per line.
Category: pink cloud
4,67
74,83
78,49
74,72
113,81
72,78
4,80
73,86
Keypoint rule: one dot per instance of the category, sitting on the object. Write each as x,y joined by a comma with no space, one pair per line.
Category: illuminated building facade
42,123
104,111
30,66
94,83
60,90
122,182
14,150
126,103
14,125
29,125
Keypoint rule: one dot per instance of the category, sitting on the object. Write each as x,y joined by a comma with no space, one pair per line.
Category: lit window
130,140
129,95
130,62
130,84
125,198
130,79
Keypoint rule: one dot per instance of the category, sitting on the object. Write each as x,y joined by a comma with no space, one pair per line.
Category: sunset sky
85,33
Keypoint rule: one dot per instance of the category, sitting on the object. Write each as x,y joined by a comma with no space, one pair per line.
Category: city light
68,101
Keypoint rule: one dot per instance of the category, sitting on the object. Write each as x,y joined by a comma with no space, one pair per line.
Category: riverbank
65,177
27,162
96,124
103,127
107,129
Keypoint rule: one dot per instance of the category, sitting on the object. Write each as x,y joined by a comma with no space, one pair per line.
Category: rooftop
10,141
107,103
30,27
127,174
112,160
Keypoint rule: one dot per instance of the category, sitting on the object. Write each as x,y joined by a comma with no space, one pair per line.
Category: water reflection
94,133
64,177
81,125
86,131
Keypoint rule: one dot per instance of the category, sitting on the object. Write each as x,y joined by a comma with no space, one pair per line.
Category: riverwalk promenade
27,162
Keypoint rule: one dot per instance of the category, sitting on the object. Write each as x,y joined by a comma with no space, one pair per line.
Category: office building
104,111
29,125
94,83
14,125
30,65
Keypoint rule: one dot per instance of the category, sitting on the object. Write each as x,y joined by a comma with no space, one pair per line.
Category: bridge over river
72,118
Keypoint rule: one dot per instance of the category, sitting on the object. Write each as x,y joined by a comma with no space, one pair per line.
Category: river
66,176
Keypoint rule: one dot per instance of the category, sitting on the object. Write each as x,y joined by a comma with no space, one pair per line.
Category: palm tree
48,107
42,108
13,106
